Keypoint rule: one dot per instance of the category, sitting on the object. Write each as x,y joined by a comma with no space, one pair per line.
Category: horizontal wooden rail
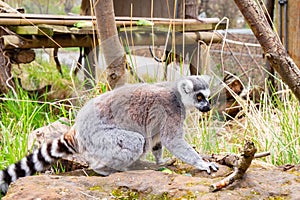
72,40
7,19
52,31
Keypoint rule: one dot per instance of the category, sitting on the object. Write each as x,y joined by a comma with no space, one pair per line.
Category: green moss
163,196
123,193
96,188
254,192
189,195
278,198
193,184
297,180
294,172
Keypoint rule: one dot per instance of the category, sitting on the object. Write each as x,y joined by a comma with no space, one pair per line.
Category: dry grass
273,126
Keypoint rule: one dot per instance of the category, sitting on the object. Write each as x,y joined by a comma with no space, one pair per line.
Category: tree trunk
112,49
5,70
293,30
273,48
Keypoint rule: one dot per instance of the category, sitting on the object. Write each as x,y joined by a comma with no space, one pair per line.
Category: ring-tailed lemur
115,129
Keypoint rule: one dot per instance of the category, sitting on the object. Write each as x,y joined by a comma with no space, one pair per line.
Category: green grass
19,117
277,127
21,114
274,126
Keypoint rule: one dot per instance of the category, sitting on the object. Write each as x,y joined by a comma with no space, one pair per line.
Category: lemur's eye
199,97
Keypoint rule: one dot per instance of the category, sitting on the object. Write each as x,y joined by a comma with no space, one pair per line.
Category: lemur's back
128,108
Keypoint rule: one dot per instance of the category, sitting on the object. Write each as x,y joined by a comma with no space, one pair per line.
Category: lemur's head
194,91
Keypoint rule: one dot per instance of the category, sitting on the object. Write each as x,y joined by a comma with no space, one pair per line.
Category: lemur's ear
206,78
185,86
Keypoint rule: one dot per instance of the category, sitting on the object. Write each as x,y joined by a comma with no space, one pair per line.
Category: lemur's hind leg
157,151
114,149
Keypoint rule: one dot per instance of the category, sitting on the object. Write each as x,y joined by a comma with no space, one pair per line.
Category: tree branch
112,49
271,44
240,166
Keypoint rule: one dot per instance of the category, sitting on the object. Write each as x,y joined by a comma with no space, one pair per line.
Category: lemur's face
194,92
201,102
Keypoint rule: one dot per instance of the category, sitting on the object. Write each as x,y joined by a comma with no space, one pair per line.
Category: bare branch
240,165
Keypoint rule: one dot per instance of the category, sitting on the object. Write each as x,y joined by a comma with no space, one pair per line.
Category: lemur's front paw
207,166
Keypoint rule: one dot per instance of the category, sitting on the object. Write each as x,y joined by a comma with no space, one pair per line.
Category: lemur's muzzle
203,106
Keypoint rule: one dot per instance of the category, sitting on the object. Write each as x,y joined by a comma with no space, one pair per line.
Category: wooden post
90,62
270,5
191,12
191,9
90,54
293,30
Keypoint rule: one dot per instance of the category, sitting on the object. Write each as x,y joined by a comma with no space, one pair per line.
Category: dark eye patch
200,97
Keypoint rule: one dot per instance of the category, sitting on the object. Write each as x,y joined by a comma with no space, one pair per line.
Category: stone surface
261,181
258,183
48,133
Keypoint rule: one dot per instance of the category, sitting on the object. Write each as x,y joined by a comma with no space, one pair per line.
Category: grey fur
116,129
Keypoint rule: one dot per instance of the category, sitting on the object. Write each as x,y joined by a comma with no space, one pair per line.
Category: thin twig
262,154
240,166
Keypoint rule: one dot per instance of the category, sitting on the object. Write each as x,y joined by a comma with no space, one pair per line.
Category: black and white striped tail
37,161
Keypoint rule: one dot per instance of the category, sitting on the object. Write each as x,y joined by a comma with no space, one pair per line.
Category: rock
48,133
261,181
258,183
